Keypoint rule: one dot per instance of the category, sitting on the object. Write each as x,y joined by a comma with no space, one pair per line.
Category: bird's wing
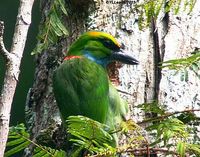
118,107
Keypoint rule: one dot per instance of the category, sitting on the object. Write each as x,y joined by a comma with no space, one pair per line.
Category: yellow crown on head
105,35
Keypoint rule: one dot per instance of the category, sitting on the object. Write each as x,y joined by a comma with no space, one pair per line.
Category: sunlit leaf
181,148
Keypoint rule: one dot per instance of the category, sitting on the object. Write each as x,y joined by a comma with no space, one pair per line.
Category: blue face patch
102,61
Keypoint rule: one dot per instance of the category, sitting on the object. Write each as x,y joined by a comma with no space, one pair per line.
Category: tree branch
140,152
124,92
12,67
166,116
3,50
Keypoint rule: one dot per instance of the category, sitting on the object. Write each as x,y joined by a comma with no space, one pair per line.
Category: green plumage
81,88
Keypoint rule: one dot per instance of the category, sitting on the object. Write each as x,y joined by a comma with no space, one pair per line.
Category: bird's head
100,47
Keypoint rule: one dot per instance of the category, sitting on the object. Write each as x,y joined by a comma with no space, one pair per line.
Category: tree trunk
171,36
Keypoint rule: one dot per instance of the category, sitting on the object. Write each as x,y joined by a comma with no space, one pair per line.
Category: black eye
110,44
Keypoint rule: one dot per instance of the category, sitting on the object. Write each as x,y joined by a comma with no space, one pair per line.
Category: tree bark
180,41
13,60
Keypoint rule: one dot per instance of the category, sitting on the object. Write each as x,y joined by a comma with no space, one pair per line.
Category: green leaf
159,5
43,151
167,135
17,149
185,64
62,6
181,148
17,140
61,26
129,125
168,129
76,152
153,107
194,148
39,48
53,37
177,7
38,152
53,22
182,62
53,28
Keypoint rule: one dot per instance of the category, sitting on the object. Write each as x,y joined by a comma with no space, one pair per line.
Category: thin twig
161,150
166,116
3,50
35,144
139,151
124,92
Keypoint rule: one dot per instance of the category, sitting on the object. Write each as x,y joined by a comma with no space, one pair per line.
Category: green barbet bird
81,84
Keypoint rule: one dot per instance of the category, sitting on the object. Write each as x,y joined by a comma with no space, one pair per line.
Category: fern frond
184,64
88,134
53,27
17,140
43,151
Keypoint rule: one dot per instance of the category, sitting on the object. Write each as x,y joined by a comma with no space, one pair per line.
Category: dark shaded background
8,13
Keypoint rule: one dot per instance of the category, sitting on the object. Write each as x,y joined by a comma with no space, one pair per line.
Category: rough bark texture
171,36
13,60
179,92
182,38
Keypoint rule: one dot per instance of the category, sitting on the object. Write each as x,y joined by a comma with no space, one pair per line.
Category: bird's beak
123,57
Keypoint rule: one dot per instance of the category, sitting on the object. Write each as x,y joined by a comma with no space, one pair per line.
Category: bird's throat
103,61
